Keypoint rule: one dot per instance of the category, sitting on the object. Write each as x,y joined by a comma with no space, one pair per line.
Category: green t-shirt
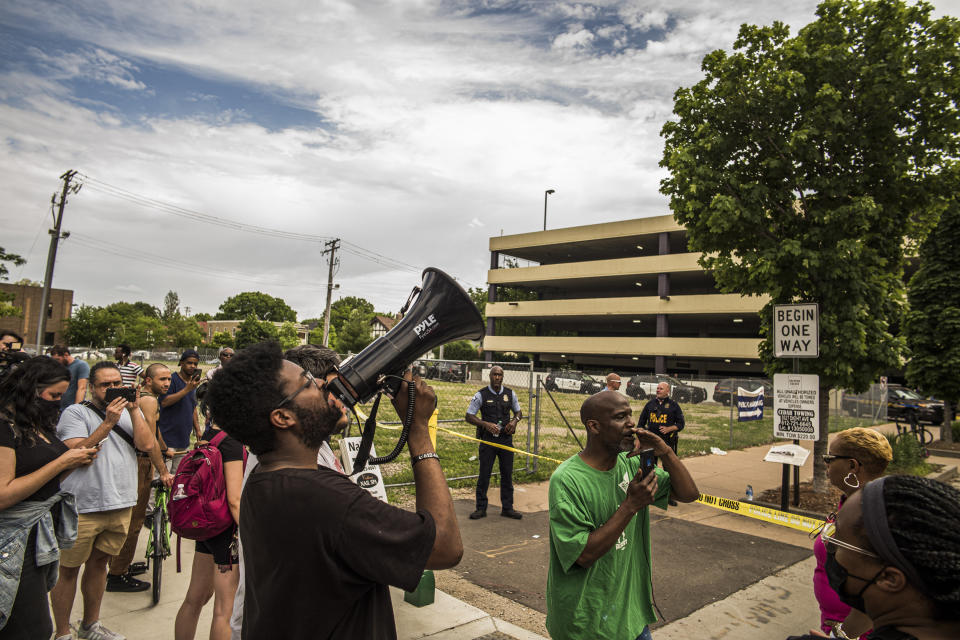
611,599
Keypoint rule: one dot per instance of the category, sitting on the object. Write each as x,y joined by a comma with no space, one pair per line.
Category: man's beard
316,425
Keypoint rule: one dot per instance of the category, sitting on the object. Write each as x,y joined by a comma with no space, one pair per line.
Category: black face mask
837,577
49,411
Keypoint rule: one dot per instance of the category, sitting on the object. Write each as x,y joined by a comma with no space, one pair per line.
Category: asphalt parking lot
693,564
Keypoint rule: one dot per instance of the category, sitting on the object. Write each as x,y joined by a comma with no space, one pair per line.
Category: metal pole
526,464
796,470
536,432
52,257
333,244
545,194
731,415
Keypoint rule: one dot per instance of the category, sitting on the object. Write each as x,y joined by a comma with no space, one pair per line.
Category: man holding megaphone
324,550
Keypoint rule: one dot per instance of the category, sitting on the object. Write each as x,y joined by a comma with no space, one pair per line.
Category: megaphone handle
405,431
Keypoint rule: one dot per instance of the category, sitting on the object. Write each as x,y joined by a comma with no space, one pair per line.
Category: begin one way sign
796,330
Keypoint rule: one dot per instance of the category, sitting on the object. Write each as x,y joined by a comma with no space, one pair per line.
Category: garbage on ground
717,452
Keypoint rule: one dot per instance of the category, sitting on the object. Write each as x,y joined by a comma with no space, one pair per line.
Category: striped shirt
129,373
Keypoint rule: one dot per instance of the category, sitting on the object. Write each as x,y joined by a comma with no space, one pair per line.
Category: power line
106,188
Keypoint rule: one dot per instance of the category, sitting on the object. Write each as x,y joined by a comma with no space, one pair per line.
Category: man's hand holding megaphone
425,401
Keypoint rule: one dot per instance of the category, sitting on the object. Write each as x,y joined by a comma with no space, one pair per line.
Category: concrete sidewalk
133,615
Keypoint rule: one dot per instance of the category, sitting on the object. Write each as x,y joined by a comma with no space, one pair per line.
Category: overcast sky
412,130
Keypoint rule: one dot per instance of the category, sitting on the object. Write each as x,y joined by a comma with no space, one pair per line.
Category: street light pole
545,194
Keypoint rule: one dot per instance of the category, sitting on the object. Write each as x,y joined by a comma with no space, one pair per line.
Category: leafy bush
907,456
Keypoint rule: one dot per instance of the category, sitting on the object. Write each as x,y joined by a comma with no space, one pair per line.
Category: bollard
424,593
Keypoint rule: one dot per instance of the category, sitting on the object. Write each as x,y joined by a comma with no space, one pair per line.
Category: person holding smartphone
599,578
178,409
106,492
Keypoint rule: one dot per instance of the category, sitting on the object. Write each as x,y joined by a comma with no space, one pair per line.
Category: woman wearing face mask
894,553
35,516
855,457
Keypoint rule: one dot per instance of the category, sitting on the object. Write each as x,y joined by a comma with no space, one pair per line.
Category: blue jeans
645,634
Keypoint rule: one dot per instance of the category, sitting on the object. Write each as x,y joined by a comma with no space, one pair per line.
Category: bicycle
913,429
158,542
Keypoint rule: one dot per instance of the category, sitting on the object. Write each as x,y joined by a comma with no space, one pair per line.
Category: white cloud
576,38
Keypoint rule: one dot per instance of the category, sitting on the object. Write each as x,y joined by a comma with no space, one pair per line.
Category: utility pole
55,237
332,247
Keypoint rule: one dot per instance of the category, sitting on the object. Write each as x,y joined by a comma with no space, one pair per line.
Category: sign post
796,334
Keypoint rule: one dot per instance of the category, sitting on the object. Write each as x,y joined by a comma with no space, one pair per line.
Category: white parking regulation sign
796,406
796,330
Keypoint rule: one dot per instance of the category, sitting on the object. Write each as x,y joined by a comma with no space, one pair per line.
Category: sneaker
137,568
125,583
97,631
510,513
479,513
69,636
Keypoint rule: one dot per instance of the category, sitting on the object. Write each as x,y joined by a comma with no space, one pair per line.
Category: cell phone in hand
100,444
127,393
197,376
648,460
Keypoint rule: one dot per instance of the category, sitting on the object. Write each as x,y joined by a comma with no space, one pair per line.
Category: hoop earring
847,482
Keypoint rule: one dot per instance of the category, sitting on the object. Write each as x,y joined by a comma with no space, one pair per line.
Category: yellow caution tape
497,445
774,516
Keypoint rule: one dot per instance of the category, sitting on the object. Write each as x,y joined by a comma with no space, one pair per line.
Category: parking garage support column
663,290
491,297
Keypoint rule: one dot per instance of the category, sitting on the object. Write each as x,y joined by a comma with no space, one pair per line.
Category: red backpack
198,503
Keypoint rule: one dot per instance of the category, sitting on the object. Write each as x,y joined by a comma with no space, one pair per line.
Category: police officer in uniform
664,417
495,403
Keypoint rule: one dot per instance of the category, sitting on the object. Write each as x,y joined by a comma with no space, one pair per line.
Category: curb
945,475
944,453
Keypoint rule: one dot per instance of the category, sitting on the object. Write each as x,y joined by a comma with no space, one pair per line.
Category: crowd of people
307,553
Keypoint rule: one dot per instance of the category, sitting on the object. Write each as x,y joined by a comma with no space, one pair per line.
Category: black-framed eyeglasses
828,458
306,385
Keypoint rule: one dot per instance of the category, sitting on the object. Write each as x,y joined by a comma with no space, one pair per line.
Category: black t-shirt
31,458
230,449
319,552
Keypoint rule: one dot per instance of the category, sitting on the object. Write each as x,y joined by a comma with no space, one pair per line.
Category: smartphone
648,460
127,393
100,444
197,376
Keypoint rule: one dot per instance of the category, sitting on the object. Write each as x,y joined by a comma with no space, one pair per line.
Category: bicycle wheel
158,555
924,436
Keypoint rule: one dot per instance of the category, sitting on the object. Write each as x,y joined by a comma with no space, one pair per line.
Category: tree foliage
137,324
354,335
252,331
171,305
287,335
460,350
341,309
7,309
261,305
933,322
802,167
316,336
221,339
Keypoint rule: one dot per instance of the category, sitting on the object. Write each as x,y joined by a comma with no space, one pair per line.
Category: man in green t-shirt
599,583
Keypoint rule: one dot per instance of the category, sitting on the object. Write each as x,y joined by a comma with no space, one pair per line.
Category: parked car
728,387
447,371
902,402
571,381
644,386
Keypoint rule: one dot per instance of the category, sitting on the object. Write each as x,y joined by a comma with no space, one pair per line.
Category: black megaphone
441,313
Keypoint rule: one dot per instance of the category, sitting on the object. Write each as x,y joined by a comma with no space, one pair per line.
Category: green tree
252,331
802,167
202,317
933,321
7,309
146,332
222,339
89,326
355,333
260,305
341,309
316,336
460,350
287,335
184,332
171,306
